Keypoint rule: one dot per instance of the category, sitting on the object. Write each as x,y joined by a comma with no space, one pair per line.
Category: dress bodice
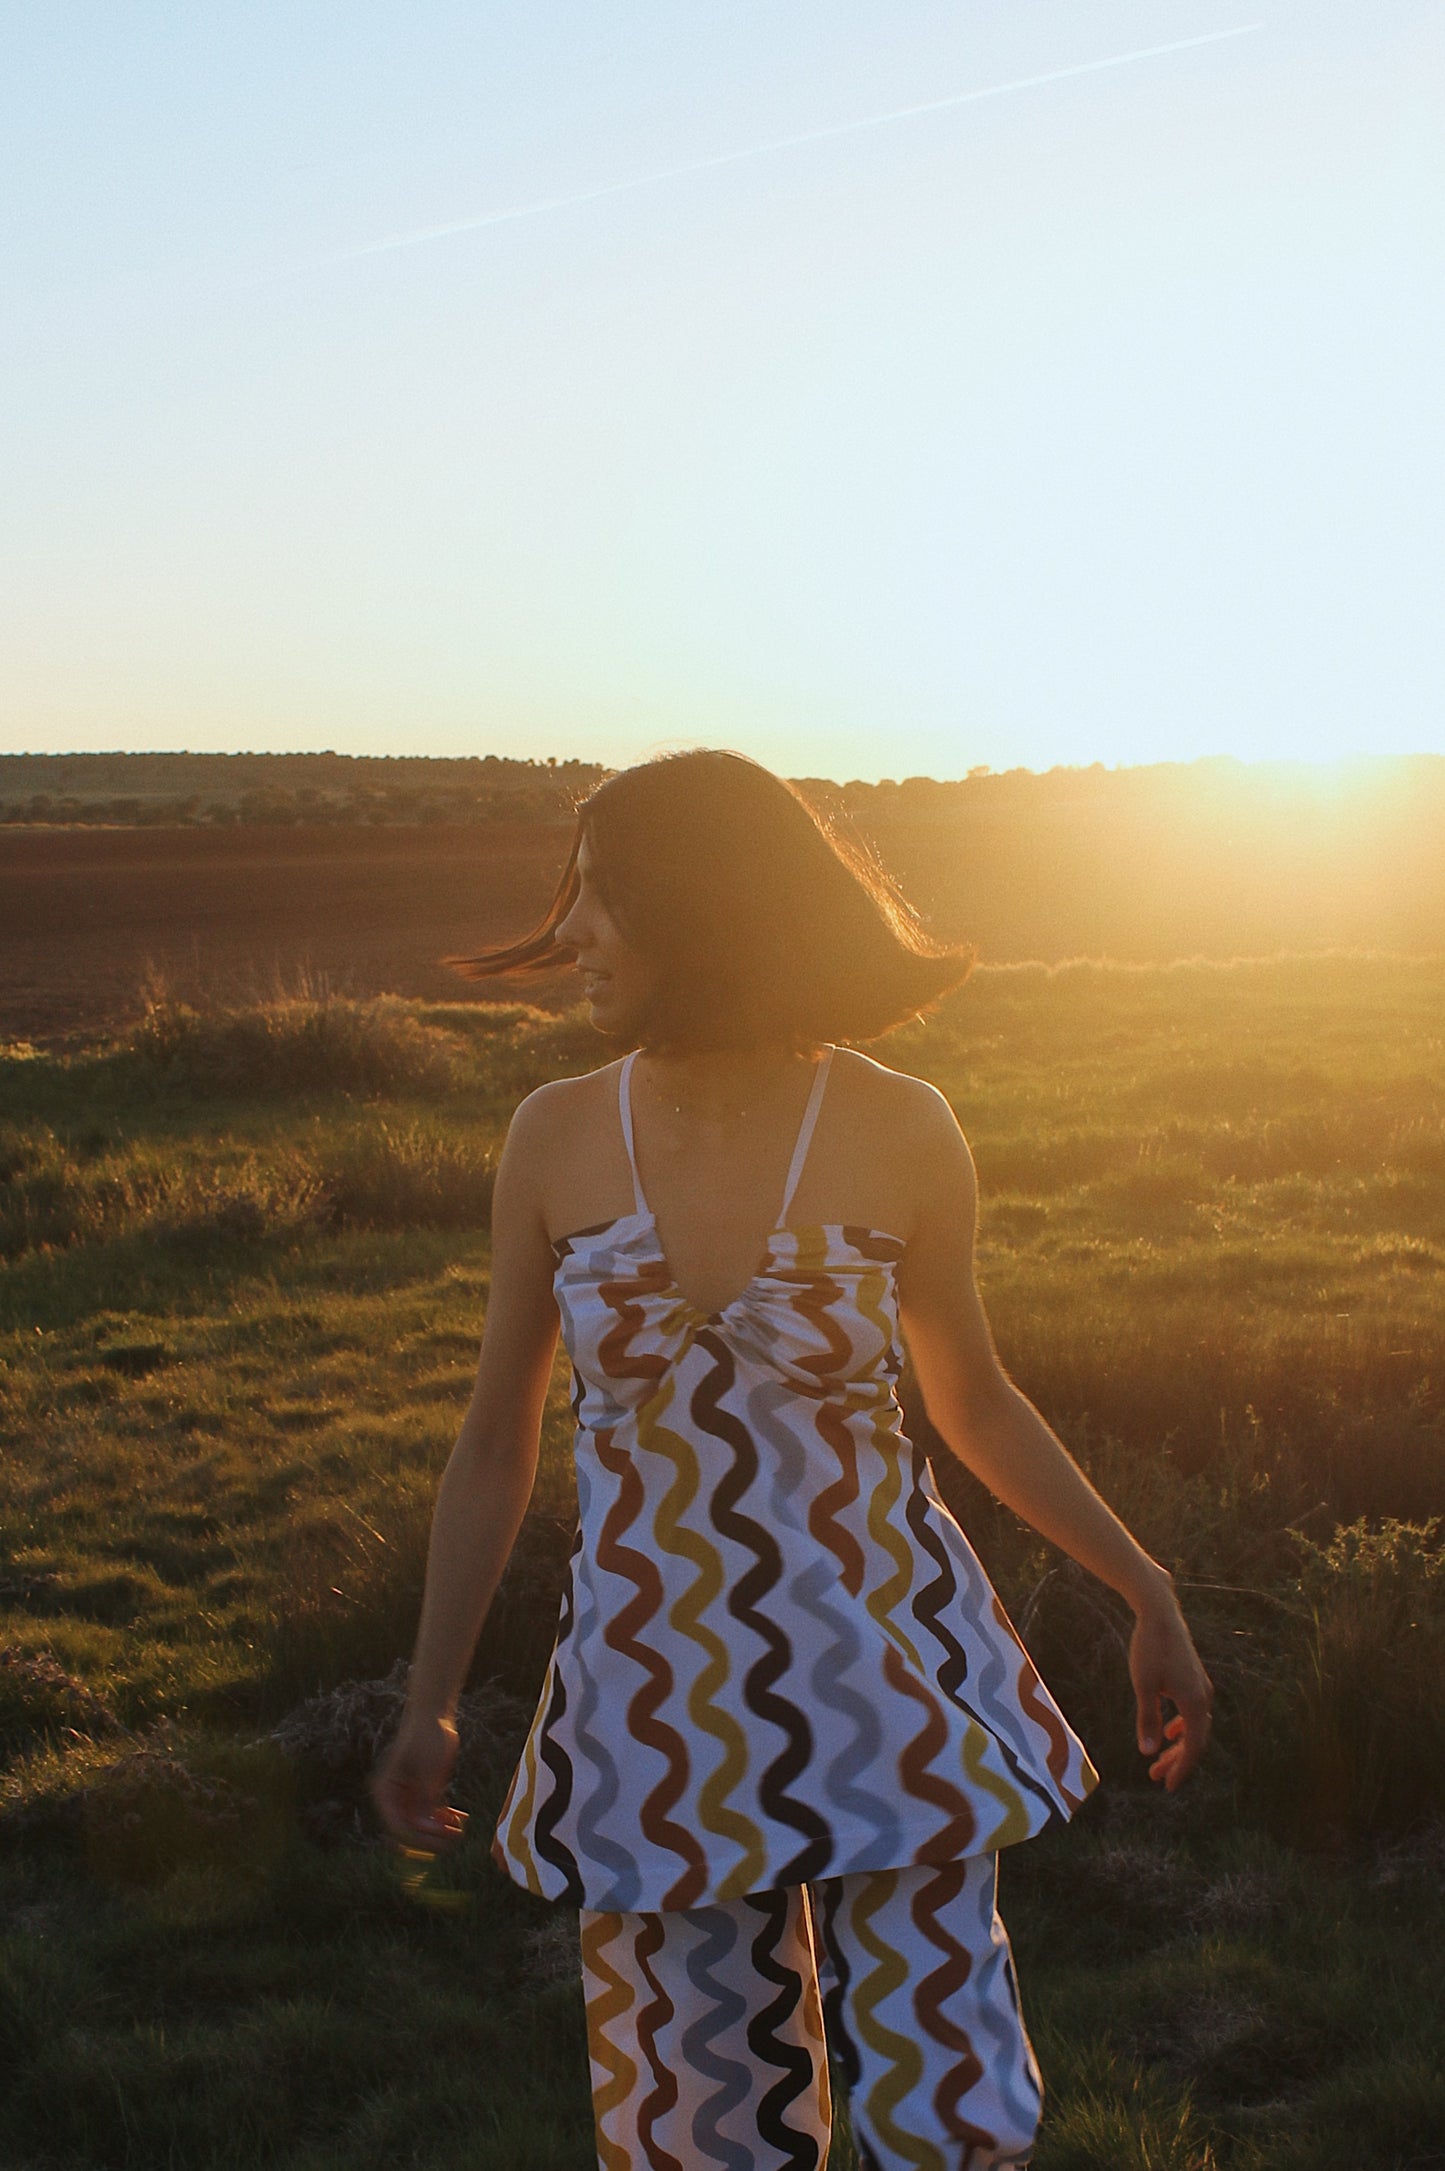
821,1312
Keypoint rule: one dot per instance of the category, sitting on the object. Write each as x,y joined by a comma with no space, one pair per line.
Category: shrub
1364,1744
296,1044
406,1177
390,1176
200,1206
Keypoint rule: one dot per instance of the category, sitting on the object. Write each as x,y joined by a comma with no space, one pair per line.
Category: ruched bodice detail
821,1312
778,1657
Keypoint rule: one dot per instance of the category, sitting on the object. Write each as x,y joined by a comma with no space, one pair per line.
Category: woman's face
616,979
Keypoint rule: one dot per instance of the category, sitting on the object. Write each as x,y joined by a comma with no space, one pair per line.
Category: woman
787,1726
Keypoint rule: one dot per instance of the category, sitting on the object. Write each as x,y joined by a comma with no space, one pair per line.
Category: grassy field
244,1269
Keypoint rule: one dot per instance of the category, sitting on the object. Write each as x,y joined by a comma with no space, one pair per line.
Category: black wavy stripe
545,1843
828,1900
799,2151
928,1604
658,2013
817,1851
928,1608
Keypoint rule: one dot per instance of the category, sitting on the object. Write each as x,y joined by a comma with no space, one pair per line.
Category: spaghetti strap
624,1110
800,1151
805,1135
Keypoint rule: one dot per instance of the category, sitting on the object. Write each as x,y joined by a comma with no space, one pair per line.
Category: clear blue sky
1094,418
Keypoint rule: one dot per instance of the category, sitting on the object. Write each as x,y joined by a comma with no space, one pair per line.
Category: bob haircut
760,923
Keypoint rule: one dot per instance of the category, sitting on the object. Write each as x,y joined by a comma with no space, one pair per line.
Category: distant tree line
167,790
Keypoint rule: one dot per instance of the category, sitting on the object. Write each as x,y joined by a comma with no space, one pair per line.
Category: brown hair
761,921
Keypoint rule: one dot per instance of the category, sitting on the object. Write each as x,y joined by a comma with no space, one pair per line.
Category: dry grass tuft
40,1702
345,1730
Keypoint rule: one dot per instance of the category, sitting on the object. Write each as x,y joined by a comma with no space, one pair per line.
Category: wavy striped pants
707,2027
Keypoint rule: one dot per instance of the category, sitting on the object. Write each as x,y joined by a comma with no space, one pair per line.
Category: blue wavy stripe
841,1645
720,2008
597,1801
798,2150
814,1855
842,1787
1012,2071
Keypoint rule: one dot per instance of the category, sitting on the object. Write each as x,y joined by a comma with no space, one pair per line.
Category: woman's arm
482,1498
991,1427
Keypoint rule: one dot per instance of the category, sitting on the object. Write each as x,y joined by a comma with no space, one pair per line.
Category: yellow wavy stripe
813,2024
524,1790
685,1614
1014,1823
880,1505
871,1285
609,1995
900,2055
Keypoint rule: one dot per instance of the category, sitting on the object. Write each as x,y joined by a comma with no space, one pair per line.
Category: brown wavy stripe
618,1358
913,1763
813,1295
621,1635
874,1243
842,1493
942,1890
1040,1710
662,2096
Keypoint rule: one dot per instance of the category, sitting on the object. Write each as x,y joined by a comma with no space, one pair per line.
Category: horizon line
1361,758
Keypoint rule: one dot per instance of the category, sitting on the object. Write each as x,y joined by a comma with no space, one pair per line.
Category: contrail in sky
779,143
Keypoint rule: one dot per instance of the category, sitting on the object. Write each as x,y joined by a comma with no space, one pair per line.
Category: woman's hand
411,1779
1164,1664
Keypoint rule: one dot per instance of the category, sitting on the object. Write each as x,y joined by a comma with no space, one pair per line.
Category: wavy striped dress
778,1658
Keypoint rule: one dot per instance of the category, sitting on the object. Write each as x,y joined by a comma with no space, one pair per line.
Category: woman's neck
722,1084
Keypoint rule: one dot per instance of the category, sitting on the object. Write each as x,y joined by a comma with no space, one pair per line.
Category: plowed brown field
233,913
86,914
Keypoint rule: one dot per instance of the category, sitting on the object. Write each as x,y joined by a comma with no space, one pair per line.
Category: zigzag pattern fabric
707,2038
778,1658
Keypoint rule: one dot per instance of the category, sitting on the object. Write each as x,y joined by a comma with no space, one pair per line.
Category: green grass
244,1271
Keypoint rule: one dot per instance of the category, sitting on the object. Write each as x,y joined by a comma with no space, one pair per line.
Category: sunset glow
883,393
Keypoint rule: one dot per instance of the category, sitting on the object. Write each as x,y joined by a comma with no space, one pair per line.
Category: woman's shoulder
895,1097
553,1112
905,1128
